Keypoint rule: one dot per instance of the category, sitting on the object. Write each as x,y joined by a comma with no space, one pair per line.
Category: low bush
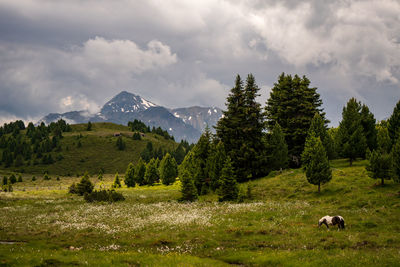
103,196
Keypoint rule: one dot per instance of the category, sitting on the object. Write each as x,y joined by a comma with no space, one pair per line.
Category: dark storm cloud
57,56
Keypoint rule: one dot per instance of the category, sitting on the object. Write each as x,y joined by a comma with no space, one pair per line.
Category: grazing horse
332,220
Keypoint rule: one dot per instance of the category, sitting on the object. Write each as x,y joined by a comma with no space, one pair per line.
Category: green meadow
42,225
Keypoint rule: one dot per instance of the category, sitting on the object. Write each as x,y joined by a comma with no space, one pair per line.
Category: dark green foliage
351,132
368,123
168,170
12,179
19,161
396,160
277,149
201,152
229,188
117,182
89,126
148,152
179,153
384,142
8,187
120,143
72,189
394,123
104,196
5,179
151,175
292,104
130,176
380,165
33,178
138,126
188,189
84,186
136,136
215,163
46,177
241,129
140,171
19,180
315,162
161,132
318,129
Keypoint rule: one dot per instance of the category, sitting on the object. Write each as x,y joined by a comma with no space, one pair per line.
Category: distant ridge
183,123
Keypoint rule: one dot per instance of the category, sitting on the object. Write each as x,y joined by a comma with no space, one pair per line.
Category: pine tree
136,136
318,127
140,171
368,123
84,186
188,190
351,132
120,143
215,163
394,123
380,165
179,154
12,178
277,149
117,182
292,104
229,127
130,176
229,188
168,170
396,160
315,162
151,175
384,142
19,180
252,149
201,152
89,126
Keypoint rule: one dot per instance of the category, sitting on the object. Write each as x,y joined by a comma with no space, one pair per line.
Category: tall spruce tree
188,189
140,171
241,129
319,129
130,176
394,123
229,189
252,149
151,175
368,123
315,162
201,152
384,143
292,104
168,170
277,149
351,132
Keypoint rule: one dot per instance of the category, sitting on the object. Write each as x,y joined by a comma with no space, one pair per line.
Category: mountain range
183,123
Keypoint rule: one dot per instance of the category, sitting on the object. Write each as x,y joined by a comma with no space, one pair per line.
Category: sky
64,55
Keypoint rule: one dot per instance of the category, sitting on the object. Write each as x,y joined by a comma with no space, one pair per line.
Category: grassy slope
278,227
98,150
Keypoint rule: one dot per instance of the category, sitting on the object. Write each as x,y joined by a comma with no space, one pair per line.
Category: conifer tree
140,171
151,175
229,127
368,123
136,136
130,176
120,143
84,186
229,188
351,132
201,152
319,129
396,160
277,149
292,104
117,182
380,165
179,154
384,143
315,162
394,123
188,189
215,163
168,170
89,126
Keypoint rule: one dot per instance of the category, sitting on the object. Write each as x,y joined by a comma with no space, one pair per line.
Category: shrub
103,196
72,189
46,177
33,178
12,179
117,182
84,186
